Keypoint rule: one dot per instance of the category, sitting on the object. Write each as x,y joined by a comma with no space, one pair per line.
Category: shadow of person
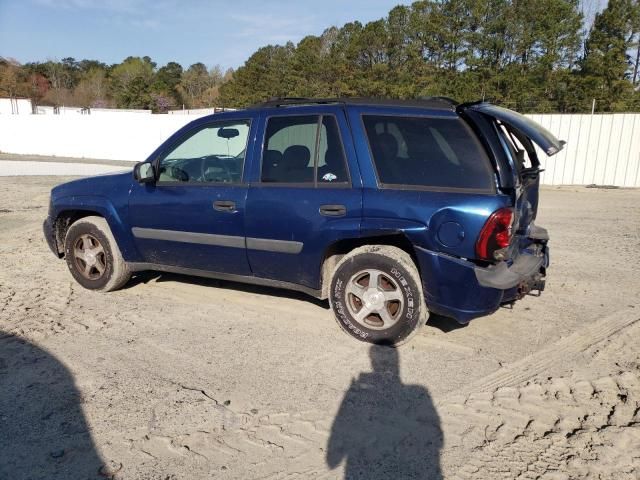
384,429
43,433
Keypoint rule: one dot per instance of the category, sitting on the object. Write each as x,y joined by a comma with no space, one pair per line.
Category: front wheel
93,256
376,295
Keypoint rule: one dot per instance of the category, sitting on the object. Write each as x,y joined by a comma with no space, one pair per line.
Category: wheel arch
69,210
65,219
335,251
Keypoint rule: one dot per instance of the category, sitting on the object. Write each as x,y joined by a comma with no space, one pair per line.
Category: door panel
178,226
193,217
307,194
286,234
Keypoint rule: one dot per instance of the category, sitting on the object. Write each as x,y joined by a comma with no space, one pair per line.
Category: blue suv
390,209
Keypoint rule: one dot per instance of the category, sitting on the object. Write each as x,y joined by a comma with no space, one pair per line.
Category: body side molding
189,237
269,245
231,241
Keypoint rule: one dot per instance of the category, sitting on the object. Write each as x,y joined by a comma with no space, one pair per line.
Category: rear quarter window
427,152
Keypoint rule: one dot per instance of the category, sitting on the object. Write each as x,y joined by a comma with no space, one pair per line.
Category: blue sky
213,32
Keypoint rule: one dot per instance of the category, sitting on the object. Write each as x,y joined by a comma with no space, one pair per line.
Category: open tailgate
539,135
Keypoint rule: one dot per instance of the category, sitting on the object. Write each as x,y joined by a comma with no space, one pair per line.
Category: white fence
15,106
603,149
122,136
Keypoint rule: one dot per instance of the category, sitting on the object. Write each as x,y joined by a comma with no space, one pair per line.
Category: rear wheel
376,295
93,256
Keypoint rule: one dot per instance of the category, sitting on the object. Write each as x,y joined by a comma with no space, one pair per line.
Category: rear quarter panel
451,222
441,220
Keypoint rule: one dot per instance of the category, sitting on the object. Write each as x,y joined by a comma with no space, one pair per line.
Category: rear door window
427,152
303,150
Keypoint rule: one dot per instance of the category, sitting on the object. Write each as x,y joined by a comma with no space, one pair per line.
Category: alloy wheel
374,299
89,257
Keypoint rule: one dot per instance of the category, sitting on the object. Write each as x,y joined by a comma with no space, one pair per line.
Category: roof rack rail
285,101
433,102
444,99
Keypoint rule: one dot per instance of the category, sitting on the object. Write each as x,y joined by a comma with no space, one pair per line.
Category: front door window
213,154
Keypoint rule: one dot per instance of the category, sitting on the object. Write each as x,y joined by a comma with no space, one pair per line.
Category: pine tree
606,62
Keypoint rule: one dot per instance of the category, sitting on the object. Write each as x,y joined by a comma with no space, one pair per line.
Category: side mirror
144,172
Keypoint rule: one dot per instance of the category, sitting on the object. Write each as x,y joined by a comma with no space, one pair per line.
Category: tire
389,313
93,256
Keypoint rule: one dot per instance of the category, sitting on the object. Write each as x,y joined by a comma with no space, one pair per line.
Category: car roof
435,105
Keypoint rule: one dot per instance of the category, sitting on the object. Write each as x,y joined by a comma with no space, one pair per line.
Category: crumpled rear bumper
527,267
460,289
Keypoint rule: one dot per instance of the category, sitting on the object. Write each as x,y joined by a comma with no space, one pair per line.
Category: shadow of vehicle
159,277
385,429
43,432
444,324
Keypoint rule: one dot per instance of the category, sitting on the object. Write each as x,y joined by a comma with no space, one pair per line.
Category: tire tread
403,259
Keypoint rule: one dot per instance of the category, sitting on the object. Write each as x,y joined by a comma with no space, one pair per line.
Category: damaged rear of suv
464,190
390,209
511,253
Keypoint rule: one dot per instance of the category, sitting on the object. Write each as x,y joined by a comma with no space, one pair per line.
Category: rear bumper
462,290
528,265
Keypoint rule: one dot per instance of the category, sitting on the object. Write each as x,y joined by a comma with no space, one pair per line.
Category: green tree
266,74
606,64
167,79
517,52
524,54
199,86
635,25
131,82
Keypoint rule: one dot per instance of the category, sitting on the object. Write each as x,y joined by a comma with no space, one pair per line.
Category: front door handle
224,206
333,210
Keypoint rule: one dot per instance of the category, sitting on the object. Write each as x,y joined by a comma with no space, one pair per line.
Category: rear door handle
224,206
333,210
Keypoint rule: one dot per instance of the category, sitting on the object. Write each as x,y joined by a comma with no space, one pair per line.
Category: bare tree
56,75
9,78
91,89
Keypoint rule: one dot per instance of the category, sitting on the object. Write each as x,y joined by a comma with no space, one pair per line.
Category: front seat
271,166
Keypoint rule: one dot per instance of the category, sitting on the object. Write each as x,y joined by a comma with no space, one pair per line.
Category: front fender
105,208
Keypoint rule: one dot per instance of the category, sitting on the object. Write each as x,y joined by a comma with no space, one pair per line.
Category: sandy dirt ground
182,378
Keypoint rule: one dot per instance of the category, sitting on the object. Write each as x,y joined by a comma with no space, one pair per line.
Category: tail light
496,234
